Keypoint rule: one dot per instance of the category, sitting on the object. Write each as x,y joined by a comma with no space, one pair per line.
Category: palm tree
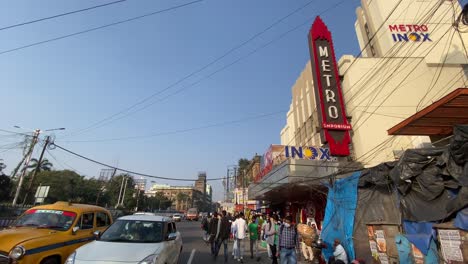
45,165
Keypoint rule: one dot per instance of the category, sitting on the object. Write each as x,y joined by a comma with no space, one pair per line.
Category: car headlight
71,258
17,252
151,259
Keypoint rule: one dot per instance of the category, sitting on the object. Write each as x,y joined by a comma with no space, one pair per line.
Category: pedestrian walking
213,230
223,235
288,241
253,232
265,227
233,234
241,230
205,226
271,232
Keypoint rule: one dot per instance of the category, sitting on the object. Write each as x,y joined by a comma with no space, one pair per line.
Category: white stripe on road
191,257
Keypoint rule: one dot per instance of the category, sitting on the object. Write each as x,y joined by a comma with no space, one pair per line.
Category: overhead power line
125,112
61,15
100,27
13,132
180,131
159,177
129,171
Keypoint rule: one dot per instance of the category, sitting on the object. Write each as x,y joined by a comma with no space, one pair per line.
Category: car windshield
134,231
51,219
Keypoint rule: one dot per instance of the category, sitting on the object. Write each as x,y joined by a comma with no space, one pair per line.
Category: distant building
200,185
209,193
141,183
182,197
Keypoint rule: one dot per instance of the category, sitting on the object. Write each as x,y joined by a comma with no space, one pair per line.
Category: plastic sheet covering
405,254
455,158
415,208
374,204
425,178
420,234
461,221
432,257
459,202
339,215
377,176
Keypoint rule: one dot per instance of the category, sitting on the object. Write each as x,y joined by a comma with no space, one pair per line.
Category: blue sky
78,81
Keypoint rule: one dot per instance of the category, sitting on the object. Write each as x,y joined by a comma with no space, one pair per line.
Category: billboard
328,94
272,157
276,154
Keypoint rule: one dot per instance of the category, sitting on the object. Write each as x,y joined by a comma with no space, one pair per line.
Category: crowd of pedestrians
281,237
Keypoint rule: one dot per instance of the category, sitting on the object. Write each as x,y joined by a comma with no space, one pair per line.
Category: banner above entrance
276,154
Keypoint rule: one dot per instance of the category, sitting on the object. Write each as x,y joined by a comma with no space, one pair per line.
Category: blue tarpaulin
339,215
420,234
461,221
403,245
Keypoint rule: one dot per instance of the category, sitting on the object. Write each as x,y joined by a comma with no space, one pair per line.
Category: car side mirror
75,229
97,234
172,236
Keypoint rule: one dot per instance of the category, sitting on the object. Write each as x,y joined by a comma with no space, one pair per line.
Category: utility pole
38,165
227,186
120,193
124,190
137,197
243,190
28,159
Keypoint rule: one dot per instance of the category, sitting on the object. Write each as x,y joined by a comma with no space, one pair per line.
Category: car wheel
51,260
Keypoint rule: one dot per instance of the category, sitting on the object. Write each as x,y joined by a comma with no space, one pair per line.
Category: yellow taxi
47,234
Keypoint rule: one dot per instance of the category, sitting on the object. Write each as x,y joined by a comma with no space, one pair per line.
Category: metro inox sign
328,95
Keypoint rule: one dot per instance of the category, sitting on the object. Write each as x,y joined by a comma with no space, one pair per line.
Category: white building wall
384,88
436,14
301,118
381,92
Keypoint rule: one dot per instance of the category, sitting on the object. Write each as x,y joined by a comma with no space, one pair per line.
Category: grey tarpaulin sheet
375,204
424,177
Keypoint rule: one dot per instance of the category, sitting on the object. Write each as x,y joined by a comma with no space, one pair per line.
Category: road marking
191,257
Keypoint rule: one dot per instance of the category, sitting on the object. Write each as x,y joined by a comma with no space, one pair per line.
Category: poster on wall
450,241
378,244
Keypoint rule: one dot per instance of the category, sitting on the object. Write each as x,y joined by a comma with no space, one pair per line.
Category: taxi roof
72,207
140,217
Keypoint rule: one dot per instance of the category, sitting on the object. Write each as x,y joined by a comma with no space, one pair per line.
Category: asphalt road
194,245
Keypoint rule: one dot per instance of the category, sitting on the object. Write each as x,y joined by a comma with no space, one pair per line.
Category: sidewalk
264,259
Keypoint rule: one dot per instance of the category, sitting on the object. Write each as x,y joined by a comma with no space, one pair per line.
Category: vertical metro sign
328,95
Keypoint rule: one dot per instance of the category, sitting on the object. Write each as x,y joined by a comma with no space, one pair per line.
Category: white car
138,239
177,217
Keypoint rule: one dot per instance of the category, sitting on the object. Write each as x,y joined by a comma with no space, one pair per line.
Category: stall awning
438,118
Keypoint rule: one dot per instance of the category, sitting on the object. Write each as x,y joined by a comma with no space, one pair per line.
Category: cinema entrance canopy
288,177
436,120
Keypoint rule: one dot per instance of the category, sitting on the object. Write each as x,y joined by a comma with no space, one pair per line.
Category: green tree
243,164
112,190
65,185
183,199
5,188
45,165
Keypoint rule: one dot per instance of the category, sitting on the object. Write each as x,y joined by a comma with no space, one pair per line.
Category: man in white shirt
340,253
241,231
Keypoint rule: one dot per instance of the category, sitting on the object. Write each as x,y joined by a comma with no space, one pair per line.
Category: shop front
296,187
